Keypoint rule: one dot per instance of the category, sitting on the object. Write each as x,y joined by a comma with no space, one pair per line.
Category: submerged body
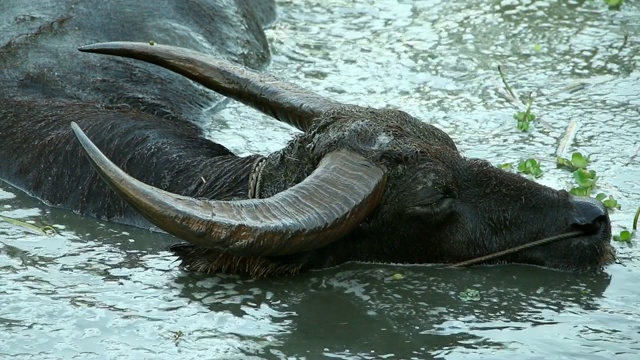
150,118
422,202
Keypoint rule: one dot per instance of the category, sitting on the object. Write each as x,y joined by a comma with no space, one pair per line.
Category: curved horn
343,190
284,101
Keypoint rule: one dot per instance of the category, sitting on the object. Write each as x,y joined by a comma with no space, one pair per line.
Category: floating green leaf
530,167
585,178
578,161
624,236
525,117
580,191
564,162
610,203
469,295
614,3
506,166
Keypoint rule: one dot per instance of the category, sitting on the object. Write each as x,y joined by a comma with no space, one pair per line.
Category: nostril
589,213
587,210
593,227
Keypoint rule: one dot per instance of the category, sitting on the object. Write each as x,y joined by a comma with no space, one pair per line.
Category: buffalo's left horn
284,101
343,190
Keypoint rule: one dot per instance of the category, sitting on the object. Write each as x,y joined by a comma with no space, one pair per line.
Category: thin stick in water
506,84
515,249
569,136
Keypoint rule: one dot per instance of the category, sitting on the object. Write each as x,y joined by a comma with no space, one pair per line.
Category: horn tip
91,47
80,135
113,47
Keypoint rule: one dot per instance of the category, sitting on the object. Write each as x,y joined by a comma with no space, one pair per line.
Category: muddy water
100,290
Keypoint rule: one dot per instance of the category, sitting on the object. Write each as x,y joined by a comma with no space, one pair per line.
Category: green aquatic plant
624,236
469,295
530,167
525,118
614,3
527,167
177,336
39,230
506,166
610,202
397,276
578,161
586,180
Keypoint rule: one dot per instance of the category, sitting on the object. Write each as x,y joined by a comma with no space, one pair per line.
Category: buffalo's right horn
342,191
284,101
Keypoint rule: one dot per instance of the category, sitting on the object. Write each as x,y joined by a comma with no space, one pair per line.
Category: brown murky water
101,290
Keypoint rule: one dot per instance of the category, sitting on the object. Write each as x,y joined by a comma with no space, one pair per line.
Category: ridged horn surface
284,101
341,192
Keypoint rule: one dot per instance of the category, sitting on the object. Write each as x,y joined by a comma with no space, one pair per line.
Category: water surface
102,290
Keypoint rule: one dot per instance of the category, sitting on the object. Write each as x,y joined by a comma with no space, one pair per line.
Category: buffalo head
360,184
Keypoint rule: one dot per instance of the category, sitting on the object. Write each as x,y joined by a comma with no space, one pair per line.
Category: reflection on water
101,290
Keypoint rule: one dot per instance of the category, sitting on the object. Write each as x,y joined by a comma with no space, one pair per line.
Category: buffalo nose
589,213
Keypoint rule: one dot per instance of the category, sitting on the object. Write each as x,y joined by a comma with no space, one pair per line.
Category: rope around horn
515,249
255,179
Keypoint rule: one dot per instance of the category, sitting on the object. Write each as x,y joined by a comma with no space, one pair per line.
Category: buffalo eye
433,210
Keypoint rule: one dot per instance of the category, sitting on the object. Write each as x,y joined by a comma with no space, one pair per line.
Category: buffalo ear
284,101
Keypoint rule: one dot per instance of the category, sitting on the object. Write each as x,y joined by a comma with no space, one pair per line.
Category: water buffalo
359,184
